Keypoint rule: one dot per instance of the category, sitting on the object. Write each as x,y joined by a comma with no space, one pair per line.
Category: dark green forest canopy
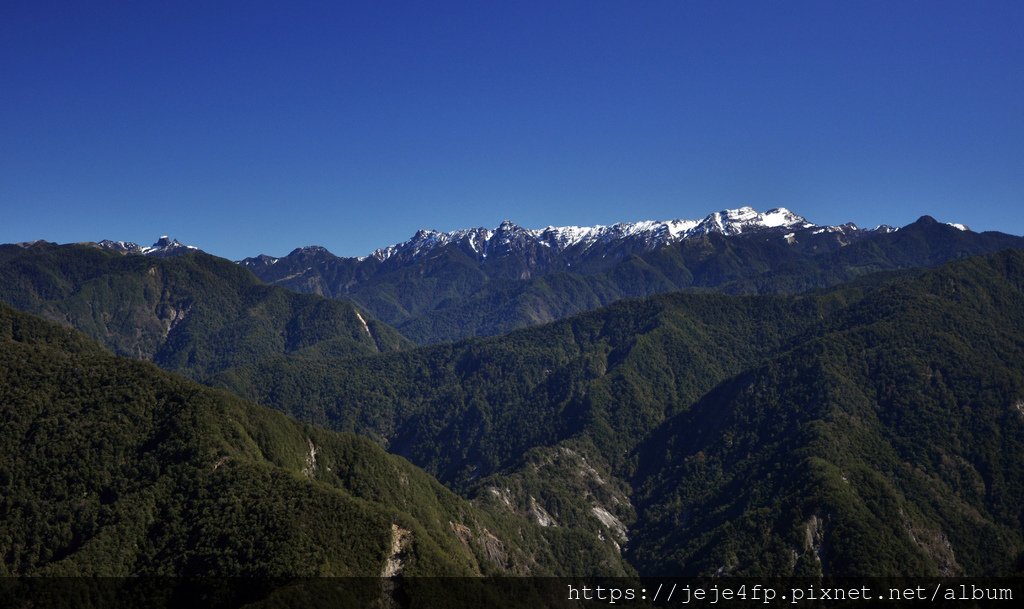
869,428
193,314
114,467
891,442
901,390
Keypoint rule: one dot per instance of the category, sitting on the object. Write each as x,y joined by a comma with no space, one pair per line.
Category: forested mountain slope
889,442
682,407
192,313
114,467
687,432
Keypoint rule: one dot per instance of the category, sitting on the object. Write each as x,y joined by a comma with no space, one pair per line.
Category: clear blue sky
251,127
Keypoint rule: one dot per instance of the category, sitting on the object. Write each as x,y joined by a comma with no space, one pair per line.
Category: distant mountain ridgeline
439,287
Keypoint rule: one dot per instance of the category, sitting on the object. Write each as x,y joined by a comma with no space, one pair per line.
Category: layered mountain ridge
871,429
194,313
642,235
113,468
771,428
443,286
508,235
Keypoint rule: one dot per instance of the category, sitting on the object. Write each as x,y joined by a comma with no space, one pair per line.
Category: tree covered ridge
114,467
891,443
876,419
194,313
870,428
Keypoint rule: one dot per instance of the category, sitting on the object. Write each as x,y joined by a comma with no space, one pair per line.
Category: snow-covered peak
780,216
745,219
164,247
164,242
426,240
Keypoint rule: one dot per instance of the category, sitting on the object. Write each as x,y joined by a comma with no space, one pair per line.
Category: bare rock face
538,514
401,540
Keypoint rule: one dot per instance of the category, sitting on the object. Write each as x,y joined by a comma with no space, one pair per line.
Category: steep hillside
113,467
192,313
888,443
688,432
640,419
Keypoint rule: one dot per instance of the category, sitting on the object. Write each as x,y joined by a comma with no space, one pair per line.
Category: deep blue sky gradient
252,127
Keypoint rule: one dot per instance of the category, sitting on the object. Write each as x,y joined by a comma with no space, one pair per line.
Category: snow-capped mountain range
444,286
561,238
510,251
482,242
